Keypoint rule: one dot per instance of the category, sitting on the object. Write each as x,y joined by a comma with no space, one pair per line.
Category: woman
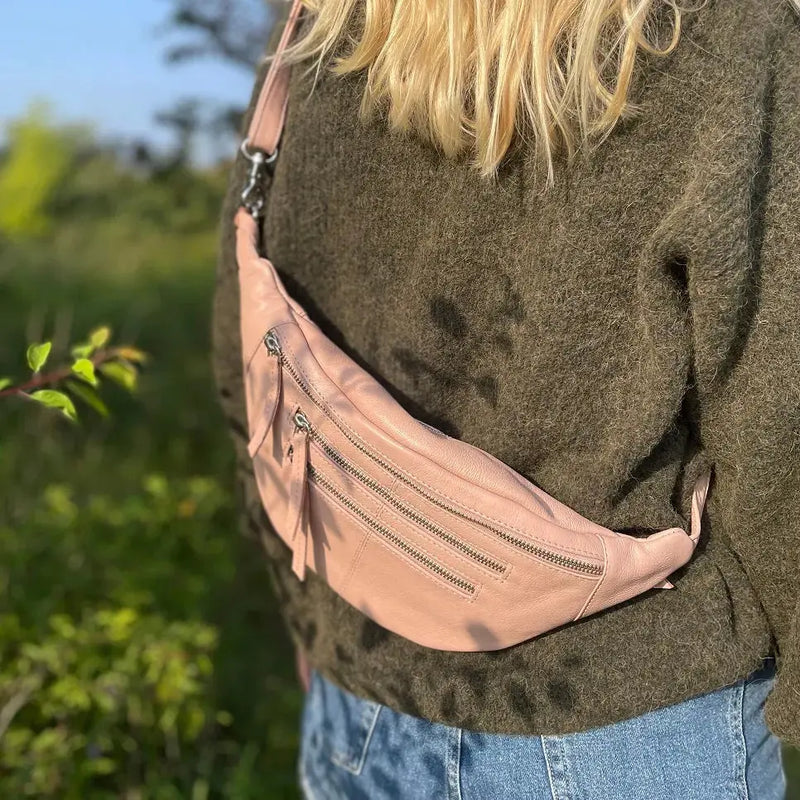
564,232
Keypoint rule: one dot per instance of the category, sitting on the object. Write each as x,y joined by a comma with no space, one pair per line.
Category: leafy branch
81,378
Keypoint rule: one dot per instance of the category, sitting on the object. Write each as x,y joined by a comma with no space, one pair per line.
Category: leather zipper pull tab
297,522
270,405
698,502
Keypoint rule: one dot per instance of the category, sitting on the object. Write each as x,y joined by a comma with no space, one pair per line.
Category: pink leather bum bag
431,537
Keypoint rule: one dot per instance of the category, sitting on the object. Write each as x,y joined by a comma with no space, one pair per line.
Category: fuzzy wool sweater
606,338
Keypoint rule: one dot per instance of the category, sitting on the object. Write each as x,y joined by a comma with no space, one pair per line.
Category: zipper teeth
536,550
404,509
396,540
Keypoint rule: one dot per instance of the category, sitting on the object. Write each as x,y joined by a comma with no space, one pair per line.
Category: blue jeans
711,747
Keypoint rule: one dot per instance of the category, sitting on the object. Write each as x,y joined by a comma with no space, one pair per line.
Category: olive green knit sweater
606,338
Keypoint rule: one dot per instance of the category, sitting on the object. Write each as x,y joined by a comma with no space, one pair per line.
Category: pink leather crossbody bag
430,536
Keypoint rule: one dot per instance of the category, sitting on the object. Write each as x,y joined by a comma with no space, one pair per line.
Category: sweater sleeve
745,304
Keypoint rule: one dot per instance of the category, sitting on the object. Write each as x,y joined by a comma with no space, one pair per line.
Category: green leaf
84,369
5,383
120,372
99,337
37,355
54,399
89,396
131,354
82,350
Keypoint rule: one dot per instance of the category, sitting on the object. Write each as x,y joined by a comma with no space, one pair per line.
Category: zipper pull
297,522
698,503
269,406
272,343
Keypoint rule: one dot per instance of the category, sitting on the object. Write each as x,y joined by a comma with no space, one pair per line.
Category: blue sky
102,61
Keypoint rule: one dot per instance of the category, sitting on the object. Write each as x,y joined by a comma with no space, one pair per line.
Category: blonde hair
473,73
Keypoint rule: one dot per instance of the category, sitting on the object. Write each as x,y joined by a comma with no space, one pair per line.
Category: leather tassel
297,523
267,416
698,502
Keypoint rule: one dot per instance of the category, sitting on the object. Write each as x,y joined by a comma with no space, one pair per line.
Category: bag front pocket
423,551
497,538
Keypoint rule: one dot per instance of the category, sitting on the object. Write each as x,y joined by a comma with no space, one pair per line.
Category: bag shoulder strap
270,112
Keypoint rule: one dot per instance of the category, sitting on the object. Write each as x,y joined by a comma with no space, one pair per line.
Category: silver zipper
273,345
302,421
321,480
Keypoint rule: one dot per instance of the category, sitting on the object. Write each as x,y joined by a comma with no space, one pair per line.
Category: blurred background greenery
141,652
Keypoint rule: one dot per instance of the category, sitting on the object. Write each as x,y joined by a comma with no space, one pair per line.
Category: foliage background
141,652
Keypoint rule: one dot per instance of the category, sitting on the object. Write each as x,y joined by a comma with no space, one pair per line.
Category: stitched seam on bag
249,362
254,405
411,562
449,550
599,583
436,492
356,560
439,493
466,596
258,419
508,567
432,538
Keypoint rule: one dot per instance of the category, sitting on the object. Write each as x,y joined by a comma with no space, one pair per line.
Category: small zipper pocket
403,509
320,480
273,345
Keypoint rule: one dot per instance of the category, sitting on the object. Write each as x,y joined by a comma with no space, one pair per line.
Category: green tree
38,159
